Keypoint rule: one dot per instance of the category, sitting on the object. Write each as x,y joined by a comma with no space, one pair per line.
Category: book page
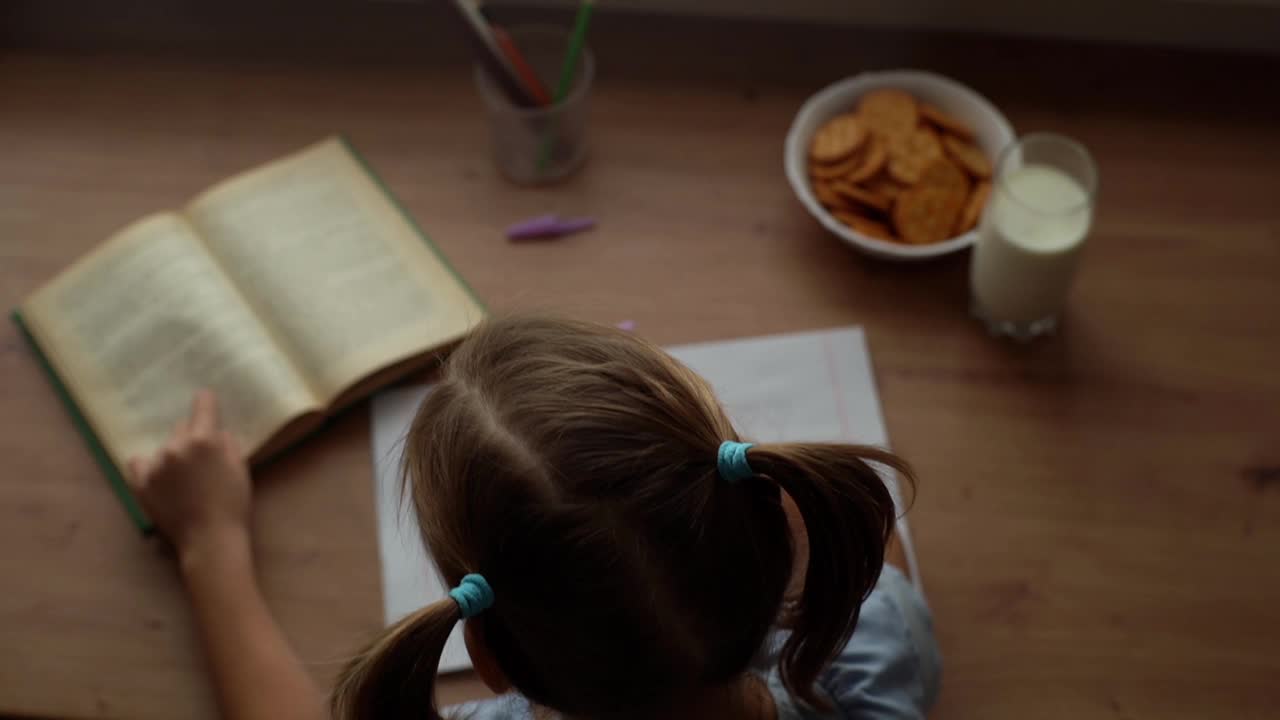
141,323
332,266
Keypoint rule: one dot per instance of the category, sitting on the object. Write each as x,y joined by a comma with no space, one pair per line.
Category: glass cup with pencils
535,95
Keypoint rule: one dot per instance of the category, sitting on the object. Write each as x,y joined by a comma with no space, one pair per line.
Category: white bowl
992,132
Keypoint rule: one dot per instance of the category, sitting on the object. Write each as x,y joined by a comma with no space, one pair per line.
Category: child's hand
196,488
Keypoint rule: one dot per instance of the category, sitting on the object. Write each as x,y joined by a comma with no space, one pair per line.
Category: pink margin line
839,389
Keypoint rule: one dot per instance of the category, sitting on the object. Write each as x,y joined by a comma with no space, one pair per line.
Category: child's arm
197,491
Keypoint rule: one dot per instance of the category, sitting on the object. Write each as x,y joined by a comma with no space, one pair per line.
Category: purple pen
541,226
548,226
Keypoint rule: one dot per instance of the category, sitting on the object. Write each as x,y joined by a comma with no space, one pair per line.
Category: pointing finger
204,414
138,469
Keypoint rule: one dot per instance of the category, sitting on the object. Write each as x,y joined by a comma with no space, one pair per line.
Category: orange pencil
531,81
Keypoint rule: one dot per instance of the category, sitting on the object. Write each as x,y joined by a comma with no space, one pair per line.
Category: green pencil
577,39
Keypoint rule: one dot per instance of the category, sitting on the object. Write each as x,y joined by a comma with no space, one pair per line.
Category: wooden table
1099,514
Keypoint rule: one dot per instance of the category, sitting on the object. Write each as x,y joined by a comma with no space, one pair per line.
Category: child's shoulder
507,707
890,668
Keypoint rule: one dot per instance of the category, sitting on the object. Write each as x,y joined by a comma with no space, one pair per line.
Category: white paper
409,579
803,387
813,386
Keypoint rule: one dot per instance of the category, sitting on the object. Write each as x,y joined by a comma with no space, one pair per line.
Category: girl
615,552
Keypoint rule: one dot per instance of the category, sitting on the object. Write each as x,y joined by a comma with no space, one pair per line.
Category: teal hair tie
731,461
473,595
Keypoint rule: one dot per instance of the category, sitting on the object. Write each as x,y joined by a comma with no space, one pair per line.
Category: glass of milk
1031,234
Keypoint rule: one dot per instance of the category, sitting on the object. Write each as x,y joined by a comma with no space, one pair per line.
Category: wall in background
410,27
1252,25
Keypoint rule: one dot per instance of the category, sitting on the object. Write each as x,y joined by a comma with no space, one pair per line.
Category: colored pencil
577,39
576,42
490,55
525,72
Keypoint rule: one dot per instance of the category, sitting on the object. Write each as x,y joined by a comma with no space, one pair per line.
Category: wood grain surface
1099,513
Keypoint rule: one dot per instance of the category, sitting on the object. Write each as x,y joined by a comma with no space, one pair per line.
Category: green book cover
115,475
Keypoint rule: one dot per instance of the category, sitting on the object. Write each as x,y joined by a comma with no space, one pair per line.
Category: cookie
837,139
909,155
864,225
861,196
882,184
889,113
944,122
926,215
928,212
941,172
872,159
827,196
973,207
973,160
832,171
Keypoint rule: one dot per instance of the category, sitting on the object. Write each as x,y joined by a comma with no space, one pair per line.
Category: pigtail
848,515
395,678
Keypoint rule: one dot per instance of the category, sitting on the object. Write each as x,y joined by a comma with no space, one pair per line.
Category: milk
1028,245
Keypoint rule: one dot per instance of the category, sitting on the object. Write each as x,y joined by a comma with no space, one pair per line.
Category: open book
291,290
804,387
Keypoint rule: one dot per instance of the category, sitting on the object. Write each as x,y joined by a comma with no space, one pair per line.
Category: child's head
575,467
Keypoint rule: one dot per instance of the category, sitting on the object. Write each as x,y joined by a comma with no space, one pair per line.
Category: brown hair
574,466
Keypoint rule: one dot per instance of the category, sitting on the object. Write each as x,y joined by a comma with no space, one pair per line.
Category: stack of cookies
900,170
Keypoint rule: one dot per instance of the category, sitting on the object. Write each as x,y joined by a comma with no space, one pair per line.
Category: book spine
114,476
